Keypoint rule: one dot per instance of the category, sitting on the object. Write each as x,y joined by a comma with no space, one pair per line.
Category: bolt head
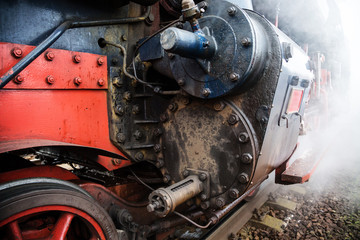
219,106
49,56
50,79
166,178
246,42
120,137
202,177
186,173
18,79
206,92
205,205
220,202
158,132
159,163
157,148
234,193
101,82
77,81
243,178
100,61
243,137
17,52
139,156
203,197
231,11
246,158
234,76
233,119
116,161
77,59
119,110
173,107
138,135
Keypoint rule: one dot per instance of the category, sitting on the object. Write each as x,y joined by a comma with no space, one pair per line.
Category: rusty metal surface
55,69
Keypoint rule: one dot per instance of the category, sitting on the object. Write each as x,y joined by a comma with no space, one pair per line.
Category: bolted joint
100,61
243,178
219,106
139,156
116,161
202,177
50,80
159,163
16,52
138,135
173,107
49,56
18,79
246,158
234,193
243,137
166,178
157,148
77,81
220,202
101,82
77,59
233,119
246,42
119,110
120,137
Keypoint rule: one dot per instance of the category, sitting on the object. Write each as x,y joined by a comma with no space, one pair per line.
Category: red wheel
51,209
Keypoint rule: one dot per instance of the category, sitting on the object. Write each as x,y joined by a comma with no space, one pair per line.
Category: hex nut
120,137
243,137
139,156
233,119
77,59
234,193
186,173
164,117
138,135
205,205
219,106
158,132
49,56
159,163
50,80
202,177
157,148
18,79
119,110
234,76
203,197
17,52
77,81
173,107
246,42
220,202
231,11
100,61
243,178
206,92
166,178
246,158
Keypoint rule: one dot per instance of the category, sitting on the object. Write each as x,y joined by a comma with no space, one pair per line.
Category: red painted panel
57,73
78,117
295,100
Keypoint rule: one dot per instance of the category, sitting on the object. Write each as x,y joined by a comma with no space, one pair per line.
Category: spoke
61,227
15,231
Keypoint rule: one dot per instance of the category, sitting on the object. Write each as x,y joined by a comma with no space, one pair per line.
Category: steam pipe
44,45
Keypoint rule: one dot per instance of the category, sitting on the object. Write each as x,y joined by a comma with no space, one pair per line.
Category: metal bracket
204,176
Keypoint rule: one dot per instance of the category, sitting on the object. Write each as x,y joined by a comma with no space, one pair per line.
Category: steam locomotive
126,119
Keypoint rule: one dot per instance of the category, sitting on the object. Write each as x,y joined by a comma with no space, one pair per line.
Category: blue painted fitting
188,44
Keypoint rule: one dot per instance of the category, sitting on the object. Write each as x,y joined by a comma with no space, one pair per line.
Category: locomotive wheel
51,209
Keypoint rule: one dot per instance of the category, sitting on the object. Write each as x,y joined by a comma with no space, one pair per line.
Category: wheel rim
65,223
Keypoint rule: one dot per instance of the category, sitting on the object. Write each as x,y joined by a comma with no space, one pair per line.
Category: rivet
220,202
18,79
206,92
17,52
100,61
77,59
77,81
243,137
101,82
246,41
231,11
49,56
50,79
234,76
181,82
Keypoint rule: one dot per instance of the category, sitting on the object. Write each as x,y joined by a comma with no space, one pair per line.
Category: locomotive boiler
124,120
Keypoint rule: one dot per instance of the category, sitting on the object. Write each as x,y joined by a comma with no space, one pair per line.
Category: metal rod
221,213
44,45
